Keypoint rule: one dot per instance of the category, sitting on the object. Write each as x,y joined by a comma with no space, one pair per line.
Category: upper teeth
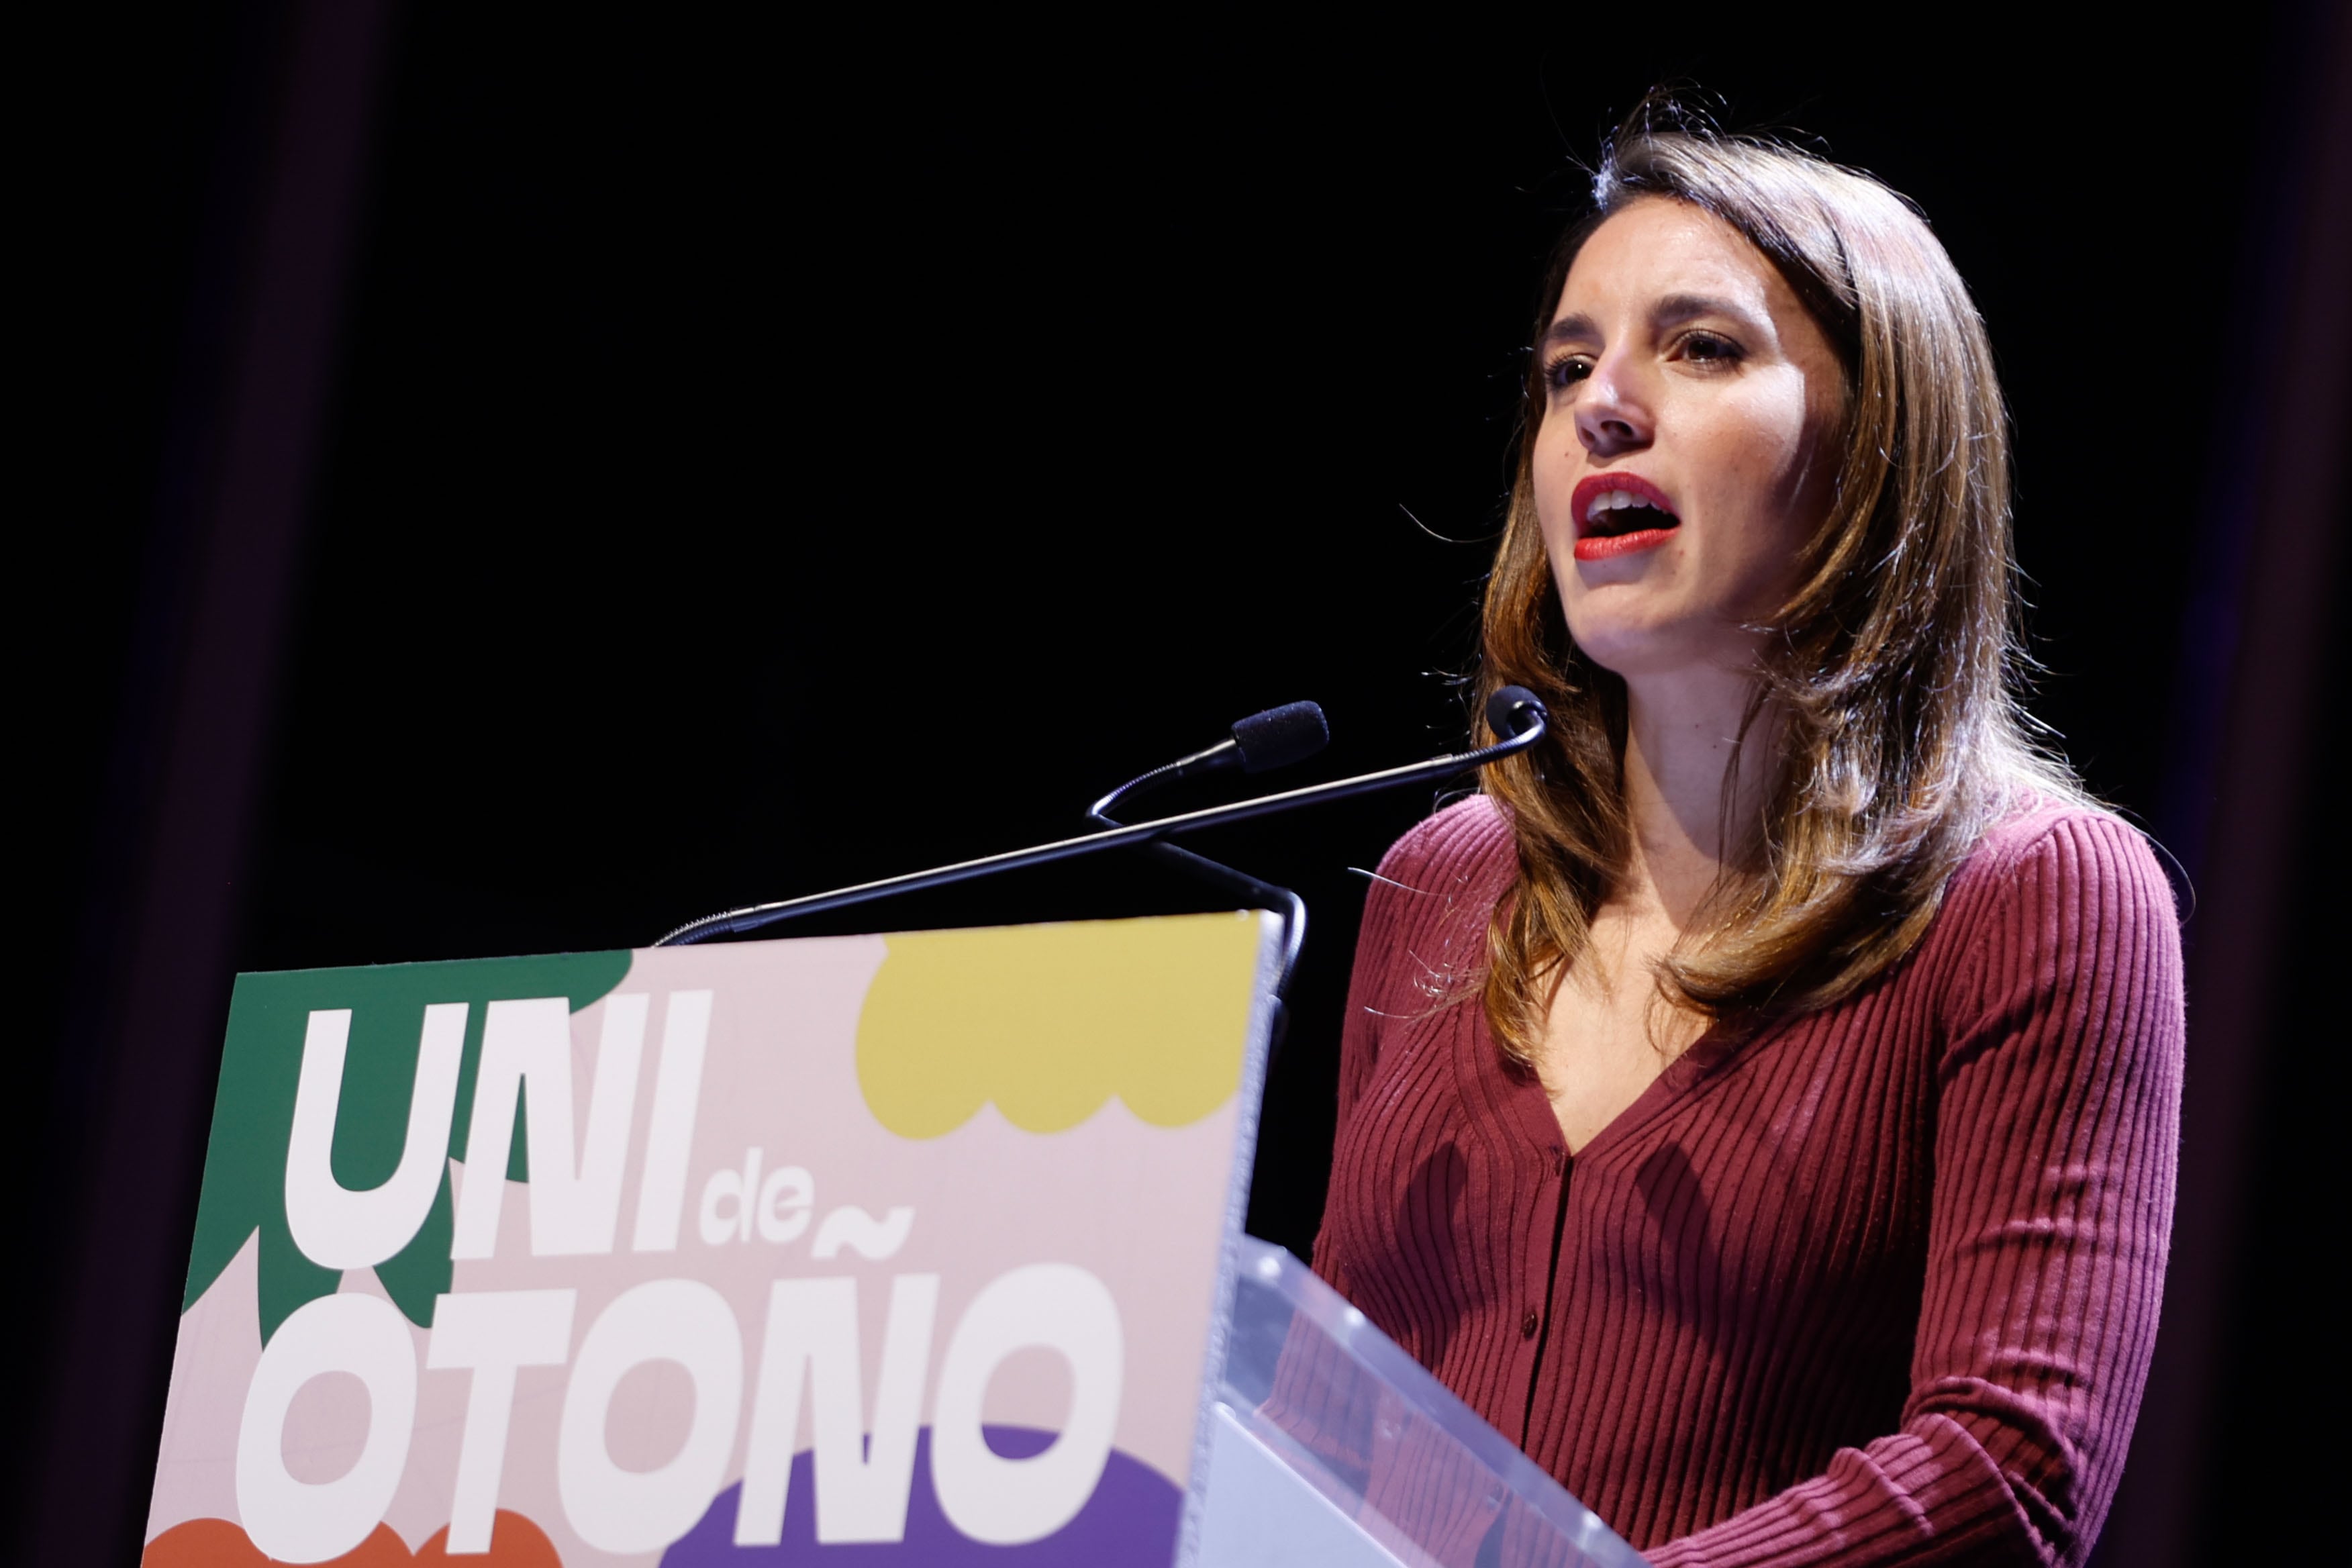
1610,500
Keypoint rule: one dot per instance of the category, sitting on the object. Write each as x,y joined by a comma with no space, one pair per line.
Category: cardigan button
1529,1325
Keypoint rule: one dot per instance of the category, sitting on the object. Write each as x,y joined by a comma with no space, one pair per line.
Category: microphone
1512,708
1279,737
1259,743
1515,715
1273,739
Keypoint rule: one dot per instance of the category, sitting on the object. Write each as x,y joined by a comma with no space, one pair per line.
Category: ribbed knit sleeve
2056,1118
1421,940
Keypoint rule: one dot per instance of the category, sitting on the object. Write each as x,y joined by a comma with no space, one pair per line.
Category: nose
1611,417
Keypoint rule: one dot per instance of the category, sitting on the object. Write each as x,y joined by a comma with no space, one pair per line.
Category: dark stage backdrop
742,460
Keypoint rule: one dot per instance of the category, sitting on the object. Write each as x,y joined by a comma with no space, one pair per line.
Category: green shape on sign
253,1114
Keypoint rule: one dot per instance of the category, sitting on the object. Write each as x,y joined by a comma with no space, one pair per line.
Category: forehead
1658,247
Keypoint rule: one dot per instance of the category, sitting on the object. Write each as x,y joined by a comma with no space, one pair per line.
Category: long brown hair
1890,675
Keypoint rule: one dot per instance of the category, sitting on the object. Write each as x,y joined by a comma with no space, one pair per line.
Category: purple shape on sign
1130,1522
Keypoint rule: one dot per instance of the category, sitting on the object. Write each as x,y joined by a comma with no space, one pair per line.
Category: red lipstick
1620,514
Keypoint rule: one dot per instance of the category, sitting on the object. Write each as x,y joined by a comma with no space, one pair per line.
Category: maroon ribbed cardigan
1878,1285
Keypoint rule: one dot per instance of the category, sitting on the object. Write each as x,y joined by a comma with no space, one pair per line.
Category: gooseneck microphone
1514,714
1259,743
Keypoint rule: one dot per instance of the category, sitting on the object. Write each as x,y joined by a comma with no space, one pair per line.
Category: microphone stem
1287,905
733,922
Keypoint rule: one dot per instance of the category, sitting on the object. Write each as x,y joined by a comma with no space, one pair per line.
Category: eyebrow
1567,328
1671,311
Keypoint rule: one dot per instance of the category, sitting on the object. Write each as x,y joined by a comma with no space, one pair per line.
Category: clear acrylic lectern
1330,1446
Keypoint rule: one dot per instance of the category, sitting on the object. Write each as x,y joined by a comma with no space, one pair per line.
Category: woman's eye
1565,372
1708,346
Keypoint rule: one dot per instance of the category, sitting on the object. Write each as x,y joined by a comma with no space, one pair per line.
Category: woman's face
1689,441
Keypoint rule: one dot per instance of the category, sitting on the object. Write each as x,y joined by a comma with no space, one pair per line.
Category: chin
1626,645
1618,656
1632,652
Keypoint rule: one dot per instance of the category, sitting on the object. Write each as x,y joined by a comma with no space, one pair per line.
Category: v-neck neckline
1690,1068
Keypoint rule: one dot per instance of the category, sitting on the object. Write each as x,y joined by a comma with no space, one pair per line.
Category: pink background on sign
1139,1206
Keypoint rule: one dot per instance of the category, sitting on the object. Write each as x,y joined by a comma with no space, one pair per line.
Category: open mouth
1617,514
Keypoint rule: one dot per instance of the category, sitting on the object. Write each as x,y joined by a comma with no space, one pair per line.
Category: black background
751,474
760,460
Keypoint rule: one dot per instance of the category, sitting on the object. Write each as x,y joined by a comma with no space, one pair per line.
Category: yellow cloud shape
1050,1021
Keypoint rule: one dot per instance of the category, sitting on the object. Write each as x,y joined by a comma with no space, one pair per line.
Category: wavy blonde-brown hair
1889,676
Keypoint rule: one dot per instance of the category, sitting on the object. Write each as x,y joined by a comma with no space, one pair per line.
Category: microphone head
1281,736
1512,708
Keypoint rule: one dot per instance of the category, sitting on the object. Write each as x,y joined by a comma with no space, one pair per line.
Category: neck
1682,788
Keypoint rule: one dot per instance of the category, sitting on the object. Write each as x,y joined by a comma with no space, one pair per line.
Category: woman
1761,1102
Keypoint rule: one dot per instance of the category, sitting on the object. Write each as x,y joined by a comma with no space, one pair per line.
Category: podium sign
907,1248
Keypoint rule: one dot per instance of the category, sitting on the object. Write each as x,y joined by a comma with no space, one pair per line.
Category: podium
916,1249
1327,1444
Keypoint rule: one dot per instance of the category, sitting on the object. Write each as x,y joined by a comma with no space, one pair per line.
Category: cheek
1770,476
1553,482
1553,479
